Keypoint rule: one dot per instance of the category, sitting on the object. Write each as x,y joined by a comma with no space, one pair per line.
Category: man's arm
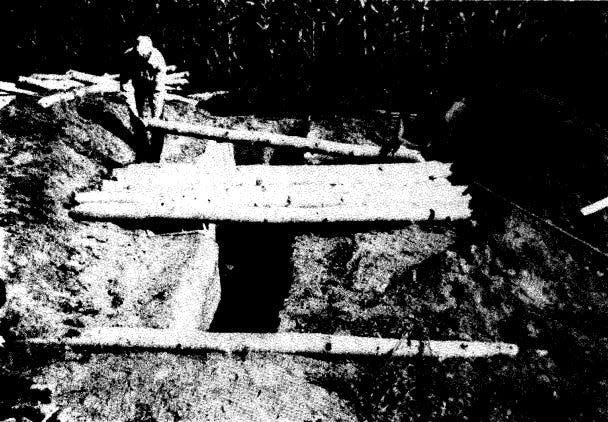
160,67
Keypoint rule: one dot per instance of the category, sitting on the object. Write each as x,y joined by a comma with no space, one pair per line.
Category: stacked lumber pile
278,194
54,88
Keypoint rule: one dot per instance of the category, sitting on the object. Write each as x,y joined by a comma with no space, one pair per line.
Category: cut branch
324,345
264,139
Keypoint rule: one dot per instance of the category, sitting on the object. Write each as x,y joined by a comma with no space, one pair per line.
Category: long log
169,178
179,75
87,77
184,211
206,96
264,139
347,173
181,99
49,76
298,196
106,87
298,174
12,89
176,81
49,85
309,344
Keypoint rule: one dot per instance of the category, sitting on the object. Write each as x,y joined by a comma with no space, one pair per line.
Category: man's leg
139,131
157,141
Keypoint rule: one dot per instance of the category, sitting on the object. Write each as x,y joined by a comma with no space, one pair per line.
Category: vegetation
385,52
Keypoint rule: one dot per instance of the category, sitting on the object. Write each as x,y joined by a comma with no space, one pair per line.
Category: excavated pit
505,277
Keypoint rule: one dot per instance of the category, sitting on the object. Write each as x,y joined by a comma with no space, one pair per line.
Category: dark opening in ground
255,276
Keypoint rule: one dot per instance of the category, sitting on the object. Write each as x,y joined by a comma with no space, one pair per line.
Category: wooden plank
195,211
595,207
264,139
286,343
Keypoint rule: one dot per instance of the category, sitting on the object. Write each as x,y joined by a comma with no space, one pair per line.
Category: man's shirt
144,73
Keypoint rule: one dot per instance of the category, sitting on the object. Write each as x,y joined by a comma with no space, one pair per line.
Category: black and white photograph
303,211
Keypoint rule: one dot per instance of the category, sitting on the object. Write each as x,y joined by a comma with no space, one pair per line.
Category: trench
255,276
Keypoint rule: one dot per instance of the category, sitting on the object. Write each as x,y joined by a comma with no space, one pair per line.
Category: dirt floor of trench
501,276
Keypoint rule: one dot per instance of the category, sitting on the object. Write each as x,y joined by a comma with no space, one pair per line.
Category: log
297,174
298,196
12,89
181,99
186,211
308,344
179,75
401,173
206,96
87,77
49,76
6,100
176,81
263,139
595,207
106,87
50,84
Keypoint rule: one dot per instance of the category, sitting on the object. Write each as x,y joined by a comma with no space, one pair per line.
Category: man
145,68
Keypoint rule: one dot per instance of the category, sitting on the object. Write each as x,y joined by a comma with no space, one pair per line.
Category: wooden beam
595,207
309,344
183,211
264,139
